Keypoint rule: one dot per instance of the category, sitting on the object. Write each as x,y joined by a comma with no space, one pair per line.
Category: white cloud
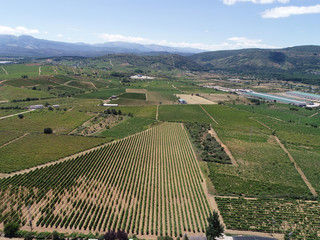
232,2
17,30
59,35
231,43
280,12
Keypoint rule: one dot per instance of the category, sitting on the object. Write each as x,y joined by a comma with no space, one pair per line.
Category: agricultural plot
272,215
126,127
146,184
183,113
35,149
138,111
13,93
138,96
60,121
264,168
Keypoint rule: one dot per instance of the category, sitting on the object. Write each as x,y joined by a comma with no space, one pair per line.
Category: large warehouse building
308,96
274,98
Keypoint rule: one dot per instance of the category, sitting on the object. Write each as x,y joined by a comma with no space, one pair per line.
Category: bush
11,229
47,131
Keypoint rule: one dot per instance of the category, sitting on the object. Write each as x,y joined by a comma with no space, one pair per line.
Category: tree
47,131
214,228
55,235
122,235
11,229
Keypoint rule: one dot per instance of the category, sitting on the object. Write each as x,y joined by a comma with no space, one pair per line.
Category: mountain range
28,46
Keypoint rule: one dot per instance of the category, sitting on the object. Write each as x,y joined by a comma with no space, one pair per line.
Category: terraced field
146,184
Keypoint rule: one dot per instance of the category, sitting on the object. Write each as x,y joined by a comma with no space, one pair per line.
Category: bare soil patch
193,99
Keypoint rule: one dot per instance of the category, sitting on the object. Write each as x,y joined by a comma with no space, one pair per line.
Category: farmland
151,166
140,184
272,215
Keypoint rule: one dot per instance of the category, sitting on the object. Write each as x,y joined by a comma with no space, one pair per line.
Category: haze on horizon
204,24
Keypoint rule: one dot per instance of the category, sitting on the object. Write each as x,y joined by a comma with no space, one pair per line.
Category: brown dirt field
193,99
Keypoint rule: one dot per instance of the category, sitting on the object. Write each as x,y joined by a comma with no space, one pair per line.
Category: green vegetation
139,96
35,149
115,187
138,111
128,126
272,215
14,93
209,149
183,113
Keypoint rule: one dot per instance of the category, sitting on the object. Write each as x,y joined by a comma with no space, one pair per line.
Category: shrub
11,229
47,131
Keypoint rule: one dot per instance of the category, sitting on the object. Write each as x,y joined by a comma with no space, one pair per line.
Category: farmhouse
39,106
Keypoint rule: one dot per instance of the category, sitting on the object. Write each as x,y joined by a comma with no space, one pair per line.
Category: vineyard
146,184
272,215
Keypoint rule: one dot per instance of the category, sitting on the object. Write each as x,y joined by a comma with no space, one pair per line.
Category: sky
204,24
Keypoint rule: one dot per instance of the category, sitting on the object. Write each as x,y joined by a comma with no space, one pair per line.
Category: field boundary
313,115
303,176
157,112
16,139
208,114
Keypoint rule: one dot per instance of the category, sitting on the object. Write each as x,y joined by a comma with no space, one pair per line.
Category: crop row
147,184
272,215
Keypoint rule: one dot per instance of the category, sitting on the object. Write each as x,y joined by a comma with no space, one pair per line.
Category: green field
183,113
272,215
128,126
104,94
139,111
138,96
13,93
35,149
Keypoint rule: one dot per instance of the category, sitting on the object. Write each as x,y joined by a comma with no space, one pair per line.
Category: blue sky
205,24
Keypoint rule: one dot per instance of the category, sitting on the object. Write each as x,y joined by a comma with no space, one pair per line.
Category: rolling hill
295,63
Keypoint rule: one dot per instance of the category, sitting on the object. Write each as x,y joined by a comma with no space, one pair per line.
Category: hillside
33,47
300,63
159,62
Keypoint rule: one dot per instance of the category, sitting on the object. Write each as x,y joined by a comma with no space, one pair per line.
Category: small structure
39,106
56,106
110,105
182,101
141,77
113,97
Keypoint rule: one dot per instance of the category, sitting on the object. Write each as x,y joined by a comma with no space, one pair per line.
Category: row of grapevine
147,184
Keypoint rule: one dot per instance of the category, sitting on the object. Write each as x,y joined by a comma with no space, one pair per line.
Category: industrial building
307,96
274,98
